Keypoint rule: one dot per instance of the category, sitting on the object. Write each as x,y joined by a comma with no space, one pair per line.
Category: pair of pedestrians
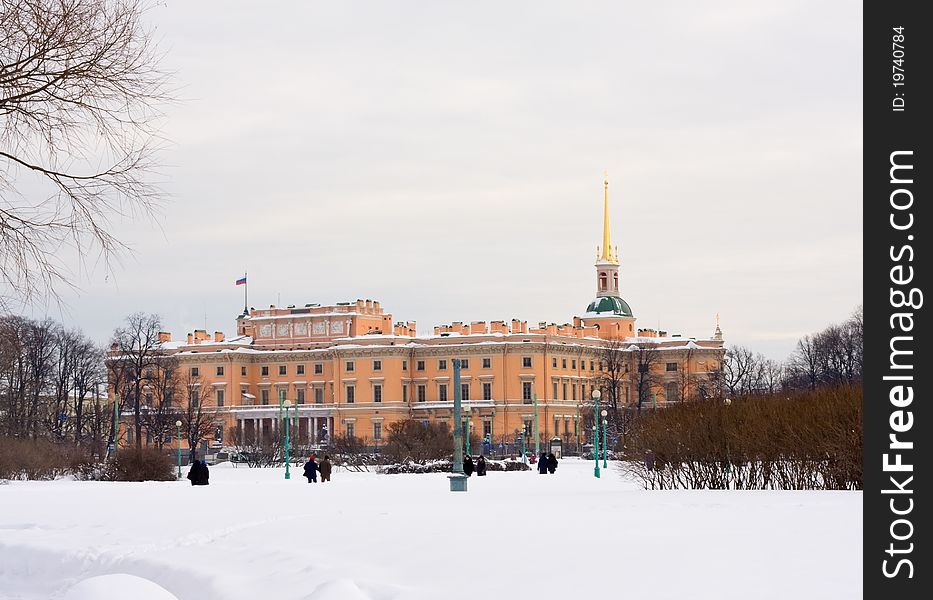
312,468
547,463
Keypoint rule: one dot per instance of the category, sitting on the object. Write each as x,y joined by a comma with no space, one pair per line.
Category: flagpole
245,294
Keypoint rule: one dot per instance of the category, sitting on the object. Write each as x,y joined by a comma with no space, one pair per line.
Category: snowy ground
252,535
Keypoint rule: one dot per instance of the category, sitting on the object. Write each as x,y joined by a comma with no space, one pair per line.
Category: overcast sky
447,161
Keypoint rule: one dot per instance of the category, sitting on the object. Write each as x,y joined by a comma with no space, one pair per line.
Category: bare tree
197,420
644,358
88,377
806,364
79,92
135,350
739,371
612,379
161,409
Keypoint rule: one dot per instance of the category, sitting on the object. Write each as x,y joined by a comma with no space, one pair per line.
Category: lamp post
469,429
576,430
605,422
458,481
178,445
596,431
537,434
524,433
288,446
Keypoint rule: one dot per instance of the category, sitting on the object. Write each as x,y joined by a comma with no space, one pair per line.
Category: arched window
615,281
602,281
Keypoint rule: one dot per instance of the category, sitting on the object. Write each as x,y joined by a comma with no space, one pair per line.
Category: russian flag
241,281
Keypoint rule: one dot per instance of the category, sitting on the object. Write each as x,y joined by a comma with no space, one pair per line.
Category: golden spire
607,244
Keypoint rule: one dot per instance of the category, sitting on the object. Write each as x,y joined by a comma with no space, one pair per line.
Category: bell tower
607,262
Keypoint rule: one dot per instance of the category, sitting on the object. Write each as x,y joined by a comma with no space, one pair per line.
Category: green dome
609,306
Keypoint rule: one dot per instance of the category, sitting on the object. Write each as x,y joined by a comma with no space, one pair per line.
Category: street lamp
605,452
520,439
469,429
596,431
178,446
288,422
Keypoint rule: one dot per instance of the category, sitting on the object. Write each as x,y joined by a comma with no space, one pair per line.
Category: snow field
253,535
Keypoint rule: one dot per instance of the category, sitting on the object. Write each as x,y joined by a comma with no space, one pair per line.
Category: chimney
218,336
516,326
478,327
190,338
164,336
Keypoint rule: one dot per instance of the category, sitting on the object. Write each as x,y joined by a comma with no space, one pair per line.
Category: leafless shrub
141,464
808,440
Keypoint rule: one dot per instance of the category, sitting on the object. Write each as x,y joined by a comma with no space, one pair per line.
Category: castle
348,369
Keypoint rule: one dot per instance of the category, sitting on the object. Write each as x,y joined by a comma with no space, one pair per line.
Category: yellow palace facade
348,369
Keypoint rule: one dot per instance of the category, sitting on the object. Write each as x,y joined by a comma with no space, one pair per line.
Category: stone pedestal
458,482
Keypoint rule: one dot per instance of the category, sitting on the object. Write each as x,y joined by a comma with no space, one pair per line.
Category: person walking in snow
542,464
311,470
194,473
468,465
551,463
480,466
325,468
205,474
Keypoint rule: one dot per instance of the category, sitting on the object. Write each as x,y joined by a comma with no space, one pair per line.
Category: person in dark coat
199,474
480,466
194,473
542,464
551,463
468,465
311,470
325,468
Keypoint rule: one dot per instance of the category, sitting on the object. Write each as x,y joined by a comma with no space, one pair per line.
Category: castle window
526,362
672,366
526,392
487,363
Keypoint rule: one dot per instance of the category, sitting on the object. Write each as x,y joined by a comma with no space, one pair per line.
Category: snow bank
253,535
118,586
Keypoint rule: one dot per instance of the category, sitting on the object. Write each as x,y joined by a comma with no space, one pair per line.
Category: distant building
349,370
